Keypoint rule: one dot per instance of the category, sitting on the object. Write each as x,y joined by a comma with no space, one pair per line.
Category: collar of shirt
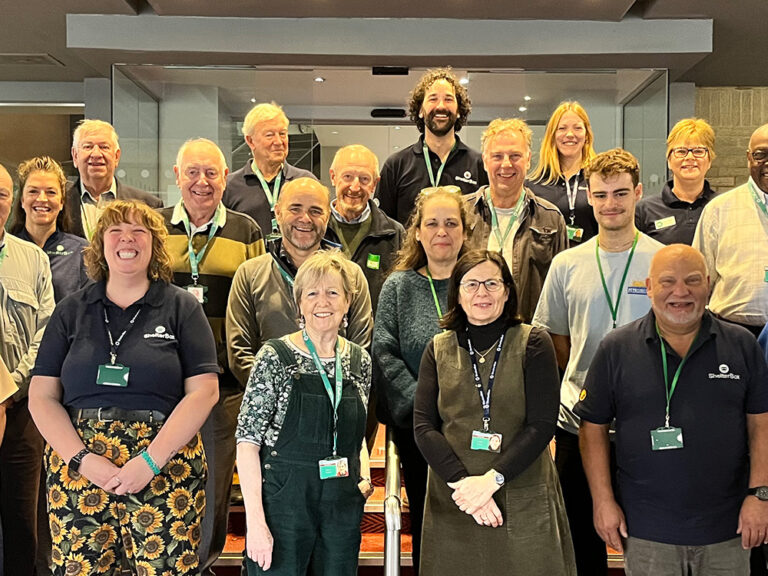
756,189
418,148
219,217
56,238
277,249
669,198
360,219
86,197
706,330
250,170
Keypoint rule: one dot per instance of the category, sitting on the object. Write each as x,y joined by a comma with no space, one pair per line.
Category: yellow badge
583,394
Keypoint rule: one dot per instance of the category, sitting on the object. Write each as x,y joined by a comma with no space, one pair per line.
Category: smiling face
440,108
324,304
678,287
570,136
759,170
613,200
353,174
507,159
483,307
6,197
269,142
302,213
42,199
441,232
128,249
689,169
201,177
96,156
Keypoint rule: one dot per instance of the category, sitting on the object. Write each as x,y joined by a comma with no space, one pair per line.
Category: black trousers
591,555
21,459
415,478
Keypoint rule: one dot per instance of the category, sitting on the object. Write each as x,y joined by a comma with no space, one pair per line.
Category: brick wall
734,113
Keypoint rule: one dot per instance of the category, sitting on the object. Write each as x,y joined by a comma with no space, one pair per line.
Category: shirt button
273,453
267,467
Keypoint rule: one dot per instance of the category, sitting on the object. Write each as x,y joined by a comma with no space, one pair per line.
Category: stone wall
734,113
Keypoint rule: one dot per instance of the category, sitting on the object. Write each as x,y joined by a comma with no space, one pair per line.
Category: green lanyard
670,390
434,295
615,309
284,273
271,198
195,259
335,398
756,198
3,252
435,181
512,219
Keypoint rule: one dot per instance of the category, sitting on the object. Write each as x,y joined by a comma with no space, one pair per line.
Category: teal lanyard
435,181
615,309
512,219
434,295
758,201
335,398
271,197
284,273
195,259
670,389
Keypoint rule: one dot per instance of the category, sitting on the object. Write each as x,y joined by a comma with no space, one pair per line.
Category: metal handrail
392,508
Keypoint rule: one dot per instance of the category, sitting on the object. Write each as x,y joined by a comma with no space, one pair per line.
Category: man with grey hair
26,293
96,154
255,188
207,243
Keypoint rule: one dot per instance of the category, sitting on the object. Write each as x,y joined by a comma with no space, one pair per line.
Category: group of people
477,307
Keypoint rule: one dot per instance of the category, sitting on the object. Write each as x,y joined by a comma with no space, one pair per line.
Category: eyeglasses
451,189
760,155
698,152
492,285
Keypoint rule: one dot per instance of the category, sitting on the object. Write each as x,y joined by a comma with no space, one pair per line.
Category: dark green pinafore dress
315,523
535,539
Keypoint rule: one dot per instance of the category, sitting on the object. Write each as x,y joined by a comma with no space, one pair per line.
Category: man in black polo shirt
255,188
691,420
439,106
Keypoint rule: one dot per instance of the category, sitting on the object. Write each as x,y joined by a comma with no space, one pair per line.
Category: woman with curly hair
125,376
566,148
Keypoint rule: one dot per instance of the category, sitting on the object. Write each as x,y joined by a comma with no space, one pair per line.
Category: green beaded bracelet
150,462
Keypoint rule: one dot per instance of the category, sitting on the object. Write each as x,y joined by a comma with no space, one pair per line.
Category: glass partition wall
157,108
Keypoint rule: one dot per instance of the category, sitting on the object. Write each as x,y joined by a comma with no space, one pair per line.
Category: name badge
637,287
112,375
374,261
485,441
198,291
664,222
667,438
574,233
333,468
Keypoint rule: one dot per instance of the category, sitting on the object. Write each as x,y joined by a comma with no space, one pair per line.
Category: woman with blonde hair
567,146
671,217
411,305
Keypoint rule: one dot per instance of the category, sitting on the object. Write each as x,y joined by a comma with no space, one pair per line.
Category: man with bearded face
261,304
439,106
731,234
691,431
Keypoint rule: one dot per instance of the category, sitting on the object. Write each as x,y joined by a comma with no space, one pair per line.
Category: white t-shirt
573,303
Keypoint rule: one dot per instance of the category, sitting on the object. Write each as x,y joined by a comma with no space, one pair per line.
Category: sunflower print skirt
157,530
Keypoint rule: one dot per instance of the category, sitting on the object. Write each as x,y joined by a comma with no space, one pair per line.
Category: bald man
732,233
26,294
689,397
261,304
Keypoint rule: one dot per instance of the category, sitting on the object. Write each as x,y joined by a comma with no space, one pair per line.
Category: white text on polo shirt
160,333
725,372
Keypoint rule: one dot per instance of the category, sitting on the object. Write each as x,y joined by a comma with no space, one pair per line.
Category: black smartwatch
760,491
77,459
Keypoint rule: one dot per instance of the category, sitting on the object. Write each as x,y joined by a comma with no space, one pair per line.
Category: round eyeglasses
491,285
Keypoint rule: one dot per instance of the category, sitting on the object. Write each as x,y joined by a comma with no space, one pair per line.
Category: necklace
482,355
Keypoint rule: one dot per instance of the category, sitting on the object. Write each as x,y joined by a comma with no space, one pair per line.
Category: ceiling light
527,98
464,81
253,100
335,132
397,127
319,79
522,108
396,147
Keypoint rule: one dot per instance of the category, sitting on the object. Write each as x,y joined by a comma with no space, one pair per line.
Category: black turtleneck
542,401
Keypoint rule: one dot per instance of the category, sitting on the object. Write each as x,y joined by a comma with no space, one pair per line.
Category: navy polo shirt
690,496
170,341
668,219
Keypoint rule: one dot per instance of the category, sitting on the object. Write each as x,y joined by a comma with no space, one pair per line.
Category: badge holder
112,375
333,467
575,233
198,291
667,438
486,441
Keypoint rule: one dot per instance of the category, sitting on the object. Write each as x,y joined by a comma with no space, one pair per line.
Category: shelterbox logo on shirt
467,178
160,333
725,372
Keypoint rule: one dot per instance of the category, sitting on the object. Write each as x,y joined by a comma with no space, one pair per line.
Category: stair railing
392,508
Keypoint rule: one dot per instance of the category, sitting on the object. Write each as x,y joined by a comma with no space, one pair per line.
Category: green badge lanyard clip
195,259
512,219
335,398
435,181
615,309
670,390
